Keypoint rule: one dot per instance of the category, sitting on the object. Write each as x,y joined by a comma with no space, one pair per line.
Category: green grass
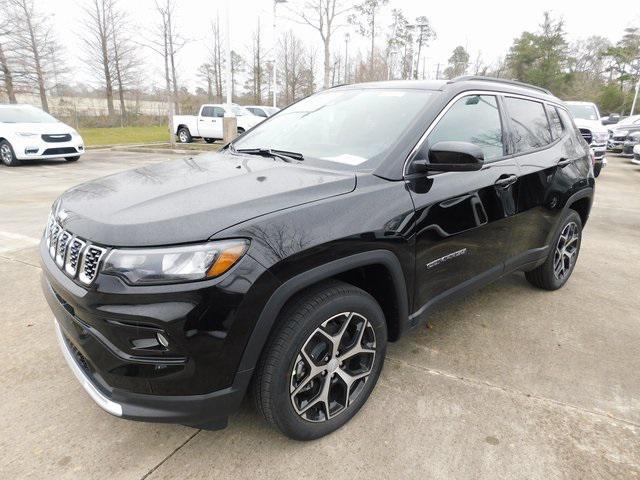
127,135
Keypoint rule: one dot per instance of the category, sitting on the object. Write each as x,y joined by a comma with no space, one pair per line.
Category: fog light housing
31,150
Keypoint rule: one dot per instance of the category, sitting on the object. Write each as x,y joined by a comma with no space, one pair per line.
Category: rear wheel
184,135
72,159
7,155
322,361
559,265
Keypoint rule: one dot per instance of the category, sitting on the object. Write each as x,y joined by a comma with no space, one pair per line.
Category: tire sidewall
286,417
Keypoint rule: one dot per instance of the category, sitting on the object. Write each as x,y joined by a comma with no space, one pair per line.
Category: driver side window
474,119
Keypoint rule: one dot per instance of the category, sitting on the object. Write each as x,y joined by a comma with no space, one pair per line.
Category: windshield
349,126
240,111
584,112
19,114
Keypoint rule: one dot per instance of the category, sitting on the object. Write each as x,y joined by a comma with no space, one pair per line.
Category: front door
464,219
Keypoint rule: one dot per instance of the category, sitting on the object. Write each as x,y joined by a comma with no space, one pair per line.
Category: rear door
547,151
464,219
207,122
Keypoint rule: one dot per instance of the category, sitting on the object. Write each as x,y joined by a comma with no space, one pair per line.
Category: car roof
461,84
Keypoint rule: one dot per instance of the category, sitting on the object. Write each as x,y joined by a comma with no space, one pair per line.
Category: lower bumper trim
108,405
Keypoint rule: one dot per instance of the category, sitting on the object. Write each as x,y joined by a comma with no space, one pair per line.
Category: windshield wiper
268,152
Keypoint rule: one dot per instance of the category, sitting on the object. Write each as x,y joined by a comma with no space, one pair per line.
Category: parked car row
613,133
28,133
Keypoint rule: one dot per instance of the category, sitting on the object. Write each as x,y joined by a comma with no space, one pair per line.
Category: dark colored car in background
287,261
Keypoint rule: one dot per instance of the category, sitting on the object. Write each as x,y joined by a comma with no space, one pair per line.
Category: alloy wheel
566,251
332,367
183,136
6,154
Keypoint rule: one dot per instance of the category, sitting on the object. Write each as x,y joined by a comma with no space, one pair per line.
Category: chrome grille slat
61,249
76,246
75,256
90,264
53,239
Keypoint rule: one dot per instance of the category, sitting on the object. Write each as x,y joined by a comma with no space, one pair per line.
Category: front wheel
322,362
7,155
184,135
559,265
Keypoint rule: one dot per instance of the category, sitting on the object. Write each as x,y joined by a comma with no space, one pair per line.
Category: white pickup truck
208,123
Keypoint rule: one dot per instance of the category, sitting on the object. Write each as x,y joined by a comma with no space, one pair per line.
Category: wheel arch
352,269
581,202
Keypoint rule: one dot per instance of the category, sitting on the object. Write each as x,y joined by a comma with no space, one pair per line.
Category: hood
594,125
39,128
191,199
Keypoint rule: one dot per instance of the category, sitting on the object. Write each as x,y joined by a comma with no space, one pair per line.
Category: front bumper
209,411
35,148
104,334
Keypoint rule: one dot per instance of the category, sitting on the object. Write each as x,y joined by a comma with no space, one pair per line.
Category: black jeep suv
287,261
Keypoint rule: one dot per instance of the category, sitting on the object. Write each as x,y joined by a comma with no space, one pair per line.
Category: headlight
26,134
621,133
151,266
600,137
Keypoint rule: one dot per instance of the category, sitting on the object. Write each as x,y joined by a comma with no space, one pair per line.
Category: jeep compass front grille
74,255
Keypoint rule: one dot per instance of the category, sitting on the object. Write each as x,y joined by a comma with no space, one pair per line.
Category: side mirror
449,157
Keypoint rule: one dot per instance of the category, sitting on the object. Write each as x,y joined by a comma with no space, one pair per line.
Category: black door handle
563,162
505,182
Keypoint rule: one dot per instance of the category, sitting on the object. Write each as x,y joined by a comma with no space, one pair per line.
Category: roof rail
499,80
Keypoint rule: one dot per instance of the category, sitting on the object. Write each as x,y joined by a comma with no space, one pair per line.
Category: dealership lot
511,382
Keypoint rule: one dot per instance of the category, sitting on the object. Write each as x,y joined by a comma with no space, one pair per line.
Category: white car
636,155
208,123
587,118
28,133
261,111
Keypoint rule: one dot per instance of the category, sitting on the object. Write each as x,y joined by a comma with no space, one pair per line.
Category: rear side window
207,111
556,125
529,124
218,112
474,119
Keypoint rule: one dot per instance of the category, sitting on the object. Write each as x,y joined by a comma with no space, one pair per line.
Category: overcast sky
487,26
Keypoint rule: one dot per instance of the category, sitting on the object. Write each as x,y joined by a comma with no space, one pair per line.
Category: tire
240,131
72,159
7,155
596,170
184,136
210,140
569,235
283,370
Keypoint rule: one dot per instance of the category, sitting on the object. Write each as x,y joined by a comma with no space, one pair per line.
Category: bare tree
215,55
5,66
237,66
35,45
255,82
206,73
322,15
296,67
100,29
125,59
